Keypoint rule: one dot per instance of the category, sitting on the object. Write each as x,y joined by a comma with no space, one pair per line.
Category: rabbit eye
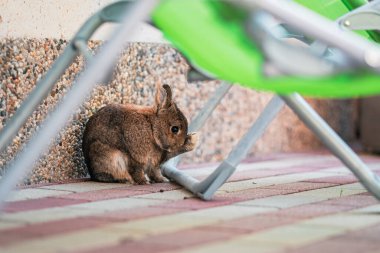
174,129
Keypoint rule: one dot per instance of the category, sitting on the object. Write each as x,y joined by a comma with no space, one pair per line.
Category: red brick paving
135,190
343,179
45,229
105,194
228,229
361,241
364,240
34,204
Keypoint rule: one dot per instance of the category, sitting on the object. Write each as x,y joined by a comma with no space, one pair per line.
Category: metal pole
206,188
333,142
310,23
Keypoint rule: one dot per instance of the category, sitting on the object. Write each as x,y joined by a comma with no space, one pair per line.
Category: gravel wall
24,61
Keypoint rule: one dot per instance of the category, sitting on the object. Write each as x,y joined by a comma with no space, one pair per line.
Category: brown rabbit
126,142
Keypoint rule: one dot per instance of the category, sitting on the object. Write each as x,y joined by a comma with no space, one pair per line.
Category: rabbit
127,142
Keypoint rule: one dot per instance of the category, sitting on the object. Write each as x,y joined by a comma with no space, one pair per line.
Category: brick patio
294,203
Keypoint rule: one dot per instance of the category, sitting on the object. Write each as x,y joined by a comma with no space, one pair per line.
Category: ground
283,203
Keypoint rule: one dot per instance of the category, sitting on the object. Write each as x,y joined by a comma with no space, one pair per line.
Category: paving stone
117,204
274,180
357,200
255,193
195,203
35,193
81,240
33,204
301,186
255,223
42,230
144,219
193,236
229,246
168,195
301,198
335,180
344,221
83,186
334,246
45,215
9,224
292,235
104,194
228,212
367,234
161,187
311,210
135,213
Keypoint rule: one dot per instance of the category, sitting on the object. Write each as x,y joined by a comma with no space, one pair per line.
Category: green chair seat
221,48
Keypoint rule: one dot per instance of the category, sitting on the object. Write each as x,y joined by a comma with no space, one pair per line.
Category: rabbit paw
160,180
192,141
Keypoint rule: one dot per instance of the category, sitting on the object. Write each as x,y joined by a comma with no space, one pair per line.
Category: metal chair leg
334,143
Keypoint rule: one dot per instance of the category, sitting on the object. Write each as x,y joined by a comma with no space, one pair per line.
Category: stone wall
24,61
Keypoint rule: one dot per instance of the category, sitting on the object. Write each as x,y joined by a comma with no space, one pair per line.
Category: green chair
237,44
237,32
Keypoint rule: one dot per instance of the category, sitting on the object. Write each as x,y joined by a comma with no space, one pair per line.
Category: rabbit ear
163,96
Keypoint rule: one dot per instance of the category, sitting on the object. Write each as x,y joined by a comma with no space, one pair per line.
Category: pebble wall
24,61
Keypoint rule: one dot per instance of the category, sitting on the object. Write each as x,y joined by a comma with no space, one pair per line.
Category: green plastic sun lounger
229,40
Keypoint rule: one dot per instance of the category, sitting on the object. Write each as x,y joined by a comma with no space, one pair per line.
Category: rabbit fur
127,142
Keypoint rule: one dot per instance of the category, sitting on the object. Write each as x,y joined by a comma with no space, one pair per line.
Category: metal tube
336,145
207,187
81,46
201,118
363,51
255,131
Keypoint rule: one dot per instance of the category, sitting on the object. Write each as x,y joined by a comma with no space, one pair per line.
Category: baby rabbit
126,142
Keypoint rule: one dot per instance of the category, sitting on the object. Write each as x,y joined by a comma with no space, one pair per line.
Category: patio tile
135,213
33,204
195,203
255,193
229,246
344,179
35,193
354,200
344,221
169,195
292,235
42,230
300,198
337,245
310,210
257,223
83,186
104,194
301,186
367,234
117,204
283,208
192,236
370,210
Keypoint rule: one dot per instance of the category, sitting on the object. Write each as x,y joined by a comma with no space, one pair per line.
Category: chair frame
128,14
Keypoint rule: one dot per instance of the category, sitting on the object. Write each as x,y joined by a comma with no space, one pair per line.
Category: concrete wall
25,57
60,19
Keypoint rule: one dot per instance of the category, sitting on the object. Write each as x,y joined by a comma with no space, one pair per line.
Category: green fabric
217,43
